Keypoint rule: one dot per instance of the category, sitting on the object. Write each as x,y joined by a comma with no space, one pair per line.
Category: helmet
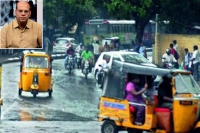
167,50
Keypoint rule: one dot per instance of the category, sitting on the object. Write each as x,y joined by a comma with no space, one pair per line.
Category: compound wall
162,42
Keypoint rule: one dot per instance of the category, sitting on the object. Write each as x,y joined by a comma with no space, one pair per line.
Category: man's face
22,12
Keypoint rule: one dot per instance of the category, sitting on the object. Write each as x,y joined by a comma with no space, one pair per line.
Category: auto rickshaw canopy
115,79
36,57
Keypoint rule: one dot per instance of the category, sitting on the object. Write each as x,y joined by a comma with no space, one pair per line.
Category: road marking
9,108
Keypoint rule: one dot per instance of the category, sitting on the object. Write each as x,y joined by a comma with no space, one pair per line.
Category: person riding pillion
86,55
80,48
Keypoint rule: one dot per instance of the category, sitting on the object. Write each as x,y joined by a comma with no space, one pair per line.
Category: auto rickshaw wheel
34,92
20,92
50,93
197,130
109,126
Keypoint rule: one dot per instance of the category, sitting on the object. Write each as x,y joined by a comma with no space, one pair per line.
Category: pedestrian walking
47,45
174,53
187,59
175,46
195,61
106,47
96,51
142,50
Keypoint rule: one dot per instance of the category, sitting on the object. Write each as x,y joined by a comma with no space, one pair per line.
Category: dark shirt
70,52
165,89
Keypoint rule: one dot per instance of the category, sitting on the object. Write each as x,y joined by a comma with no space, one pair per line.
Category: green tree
182,15
70,12
49,12
78,12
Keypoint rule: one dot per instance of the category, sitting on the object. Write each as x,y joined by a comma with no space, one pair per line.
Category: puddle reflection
26,116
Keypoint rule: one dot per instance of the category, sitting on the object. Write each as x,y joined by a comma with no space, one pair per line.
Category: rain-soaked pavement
71,109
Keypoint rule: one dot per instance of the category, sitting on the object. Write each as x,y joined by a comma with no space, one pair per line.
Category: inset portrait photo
21,24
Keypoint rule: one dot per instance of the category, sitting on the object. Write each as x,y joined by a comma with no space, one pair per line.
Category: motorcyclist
80,48
70,51
86,55
104,63
103,67
168,58
33,62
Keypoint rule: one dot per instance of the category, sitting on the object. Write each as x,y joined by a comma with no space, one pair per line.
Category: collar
16,25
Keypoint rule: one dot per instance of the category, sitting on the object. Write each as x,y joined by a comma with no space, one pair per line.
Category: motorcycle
168,65
86,68
78,59
70,63
100,76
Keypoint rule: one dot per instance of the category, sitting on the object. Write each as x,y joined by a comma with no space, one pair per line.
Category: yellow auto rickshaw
116,114
35,73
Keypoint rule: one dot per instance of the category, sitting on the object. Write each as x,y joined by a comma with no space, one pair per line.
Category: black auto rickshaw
35,73
117,114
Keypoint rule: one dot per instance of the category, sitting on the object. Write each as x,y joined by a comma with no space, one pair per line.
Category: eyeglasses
23,11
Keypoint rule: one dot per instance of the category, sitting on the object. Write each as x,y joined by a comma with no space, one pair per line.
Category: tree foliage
139,10
68,12
181,13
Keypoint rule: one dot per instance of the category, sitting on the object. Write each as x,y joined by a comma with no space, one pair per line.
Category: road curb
17,59
54,56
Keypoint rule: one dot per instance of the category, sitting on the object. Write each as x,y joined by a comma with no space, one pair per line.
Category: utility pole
156,31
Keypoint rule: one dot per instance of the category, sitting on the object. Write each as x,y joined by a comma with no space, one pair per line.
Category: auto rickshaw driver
33,62
134,94
165,93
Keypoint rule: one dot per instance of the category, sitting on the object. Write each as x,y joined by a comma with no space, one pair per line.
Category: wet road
72,107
